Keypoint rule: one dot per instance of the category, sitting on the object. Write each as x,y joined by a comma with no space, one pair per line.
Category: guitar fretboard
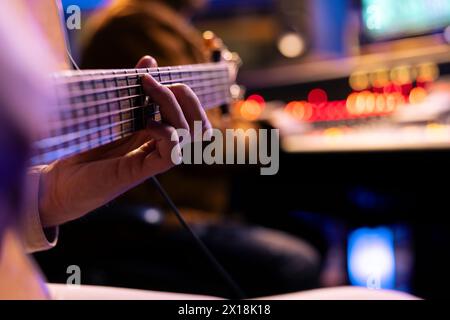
101,106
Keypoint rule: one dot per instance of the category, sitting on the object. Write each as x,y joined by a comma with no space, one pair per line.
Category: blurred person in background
263,261
133,28
25,210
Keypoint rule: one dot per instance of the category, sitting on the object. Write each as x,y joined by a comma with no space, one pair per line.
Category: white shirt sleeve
35,236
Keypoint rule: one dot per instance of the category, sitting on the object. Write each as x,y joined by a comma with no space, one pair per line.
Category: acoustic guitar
97,107
94,108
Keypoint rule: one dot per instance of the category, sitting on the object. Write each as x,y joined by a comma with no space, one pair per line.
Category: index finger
170,109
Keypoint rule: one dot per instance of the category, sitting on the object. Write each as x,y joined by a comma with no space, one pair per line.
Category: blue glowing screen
371,258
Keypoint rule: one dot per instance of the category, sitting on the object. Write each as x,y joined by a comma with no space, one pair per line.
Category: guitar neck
97,107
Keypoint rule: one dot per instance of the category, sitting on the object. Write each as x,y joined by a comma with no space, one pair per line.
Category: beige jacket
36,237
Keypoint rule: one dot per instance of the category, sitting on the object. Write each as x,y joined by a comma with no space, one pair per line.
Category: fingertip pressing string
239,294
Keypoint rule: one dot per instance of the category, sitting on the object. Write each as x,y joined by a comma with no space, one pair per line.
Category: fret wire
205,101
190,74
89,132
207,91
87,83
77,106
67,77
116,83
211,88
141,91
98,91
211,101
158,74
77,121
90,104
96,108
86,136
52,141
84,100
174,81
110,138
108,106
91,92
64,124
82,146
47,157
79,147
200,67
131,103
85,75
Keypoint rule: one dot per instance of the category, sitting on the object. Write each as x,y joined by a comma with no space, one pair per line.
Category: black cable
217,266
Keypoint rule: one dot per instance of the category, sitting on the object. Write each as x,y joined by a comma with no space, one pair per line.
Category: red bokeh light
317,96
257,98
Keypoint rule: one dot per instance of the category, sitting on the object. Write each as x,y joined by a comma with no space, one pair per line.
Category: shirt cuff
36,237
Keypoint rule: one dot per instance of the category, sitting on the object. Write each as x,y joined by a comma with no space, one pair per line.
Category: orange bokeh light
351,103
380,104
250,110
418,95
367,103
300,110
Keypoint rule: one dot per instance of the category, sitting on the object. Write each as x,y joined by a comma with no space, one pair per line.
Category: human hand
72,187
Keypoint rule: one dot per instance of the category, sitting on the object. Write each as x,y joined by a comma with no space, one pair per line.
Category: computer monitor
388,19
232,8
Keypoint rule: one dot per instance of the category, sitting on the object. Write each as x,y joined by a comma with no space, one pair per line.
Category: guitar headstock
220,53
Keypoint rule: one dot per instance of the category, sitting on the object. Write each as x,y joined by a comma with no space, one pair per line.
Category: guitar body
49,16
20,278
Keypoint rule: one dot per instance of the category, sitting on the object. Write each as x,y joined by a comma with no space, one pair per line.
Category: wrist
46,204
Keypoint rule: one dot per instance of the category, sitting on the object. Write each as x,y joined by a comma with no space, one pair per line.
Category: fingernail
150,81
208,134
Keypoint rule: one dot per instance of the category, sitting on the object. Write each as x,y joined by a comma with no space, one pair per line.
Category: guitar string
83,104
58,140
78,93
63,152
82,146
62,139
218,94
183,68
117,75
70,77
